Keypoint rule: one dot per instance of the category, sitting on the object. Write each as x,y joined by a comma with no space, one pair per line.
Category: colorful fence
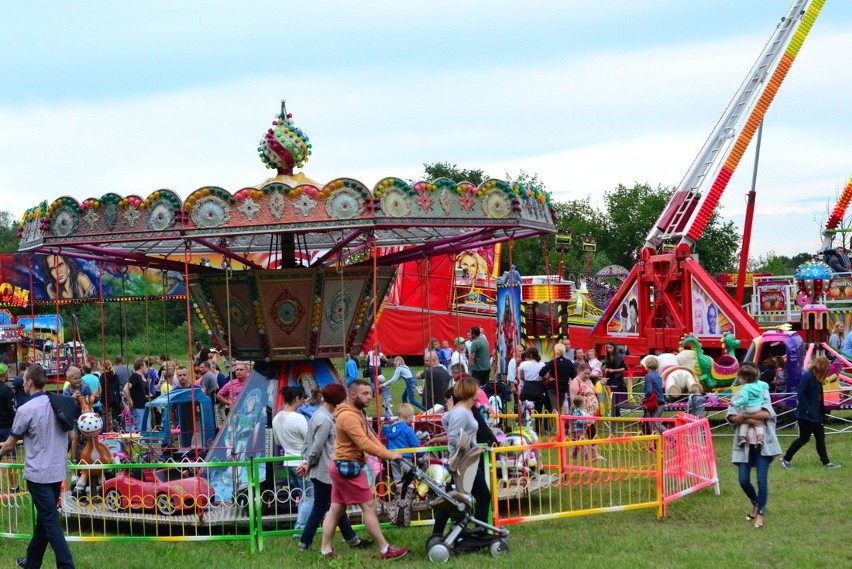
615,464
16,520
625,465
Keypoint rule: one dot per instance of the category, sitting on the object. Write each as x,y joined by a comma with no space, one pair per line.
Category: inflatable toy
714,373
677,372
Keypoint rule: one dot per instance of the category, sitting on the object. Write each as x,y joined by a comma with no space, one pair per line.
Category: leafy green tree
630,214
8,233
777,264
632,211
453,172
718,249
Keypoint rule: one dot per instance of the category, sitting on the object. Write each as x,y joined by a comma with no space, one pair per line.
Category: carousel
288,273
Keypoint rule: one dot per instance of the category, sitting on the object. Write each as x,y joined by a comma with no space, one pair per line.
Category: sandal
758,522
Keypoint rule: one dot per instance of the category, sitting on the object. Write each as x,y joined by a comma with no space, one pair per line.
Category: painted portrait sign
508,317
52,277
708,319
625,320
473,288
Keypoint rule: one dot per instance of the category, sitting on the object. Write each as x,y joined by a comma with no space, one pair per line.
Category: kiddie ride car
168,491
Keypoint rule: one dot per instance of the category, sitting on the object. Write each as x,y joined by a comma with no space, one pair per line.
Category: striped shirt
45,443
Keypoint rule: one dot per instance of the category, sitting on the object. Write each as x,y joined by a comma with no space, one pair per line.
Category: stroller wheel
499,548
438,553
433,540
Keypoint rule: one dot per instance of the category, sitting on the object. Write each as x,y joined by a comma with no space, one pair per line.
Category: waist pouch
348,468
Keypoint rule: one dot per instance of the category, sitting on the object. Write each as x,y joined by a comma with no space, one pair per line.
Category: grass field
808,524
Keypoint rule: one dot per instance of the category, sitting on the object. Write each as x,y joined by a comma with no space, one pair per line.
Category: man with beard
354,441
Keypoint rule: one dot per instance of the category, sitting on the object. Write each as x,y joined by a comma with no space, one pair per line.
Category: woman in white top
532,385
291,430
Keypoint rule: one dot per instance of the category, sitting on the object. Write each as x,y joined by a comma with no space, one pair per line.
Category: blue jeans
756,460
322,502
409,396
304,489
47,528
137,419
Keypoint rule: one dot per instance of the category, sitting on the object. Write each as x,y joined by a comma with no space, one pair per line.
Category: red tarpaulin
417,309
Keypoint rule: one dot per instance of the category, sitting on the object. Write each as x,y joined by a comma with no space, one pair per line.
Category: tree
777,264
718,248
453,172
632,211
630,214
8,233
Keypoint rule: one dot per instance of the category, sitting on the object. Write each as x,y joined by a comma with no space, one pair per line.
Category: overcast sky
100,97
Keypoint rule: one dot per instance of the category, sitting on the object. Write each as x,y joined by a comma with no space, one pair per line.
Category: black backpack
66,410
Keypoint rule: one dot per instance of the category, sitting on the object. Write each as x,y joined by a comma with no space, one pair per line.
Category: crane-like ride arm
686,215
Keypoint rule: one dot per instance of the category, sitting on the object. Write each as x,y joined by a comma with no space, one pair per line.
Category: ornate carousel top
287,232
337,218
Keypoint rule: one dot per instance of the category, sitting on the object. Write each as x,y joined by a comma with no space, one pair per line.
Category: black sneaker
22,562
362,543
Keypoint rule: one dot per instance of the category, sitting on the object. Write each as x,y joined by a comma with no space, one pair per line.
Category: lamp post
590,245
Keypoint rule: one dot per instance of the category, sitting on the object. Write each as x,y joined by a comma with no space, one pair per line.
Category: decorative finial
284,146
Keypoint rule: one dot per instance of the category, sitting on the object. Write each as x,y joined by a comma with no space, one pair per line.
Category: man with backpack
45,447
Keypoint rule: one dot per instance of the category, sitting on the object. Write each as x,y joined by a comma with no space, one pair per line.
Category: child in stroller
455,503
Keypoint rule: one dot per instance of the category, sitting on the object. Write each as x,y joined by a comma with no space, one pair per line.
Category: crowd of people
523,375
328,437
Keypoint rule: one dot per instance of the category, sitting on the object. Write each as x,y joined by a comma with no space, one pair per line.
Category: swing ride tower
668,294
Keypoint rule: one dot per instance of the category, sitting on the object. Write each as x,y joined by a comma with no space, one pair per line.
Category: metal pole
749,217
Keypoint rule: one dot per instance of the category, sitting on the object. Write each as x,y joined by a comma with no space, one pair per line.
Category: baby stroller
460,537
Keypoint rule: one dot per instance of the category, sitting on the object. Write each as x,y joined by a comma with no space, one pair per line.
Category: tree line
619,229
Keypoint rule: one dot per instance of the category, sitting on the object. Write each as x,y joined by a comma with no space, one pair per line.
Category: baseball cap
459,341
4,369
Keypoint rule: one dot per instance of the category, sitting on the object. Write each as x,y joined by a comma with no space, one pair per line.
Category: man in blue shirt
351,369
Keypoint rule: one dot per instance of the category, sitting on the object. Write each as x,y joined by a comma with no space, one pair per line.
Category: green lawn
808,524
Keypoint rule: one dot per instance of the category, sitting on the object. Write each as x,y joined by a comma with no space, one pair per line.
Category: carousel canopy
323,223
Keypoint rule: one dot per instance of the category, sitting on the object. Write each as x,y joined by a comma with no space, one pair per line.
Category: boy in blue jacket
399,435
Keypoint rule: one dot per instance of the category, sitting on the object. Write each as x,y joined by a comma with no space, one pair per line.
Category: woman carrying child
757,457
750,400
583,386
